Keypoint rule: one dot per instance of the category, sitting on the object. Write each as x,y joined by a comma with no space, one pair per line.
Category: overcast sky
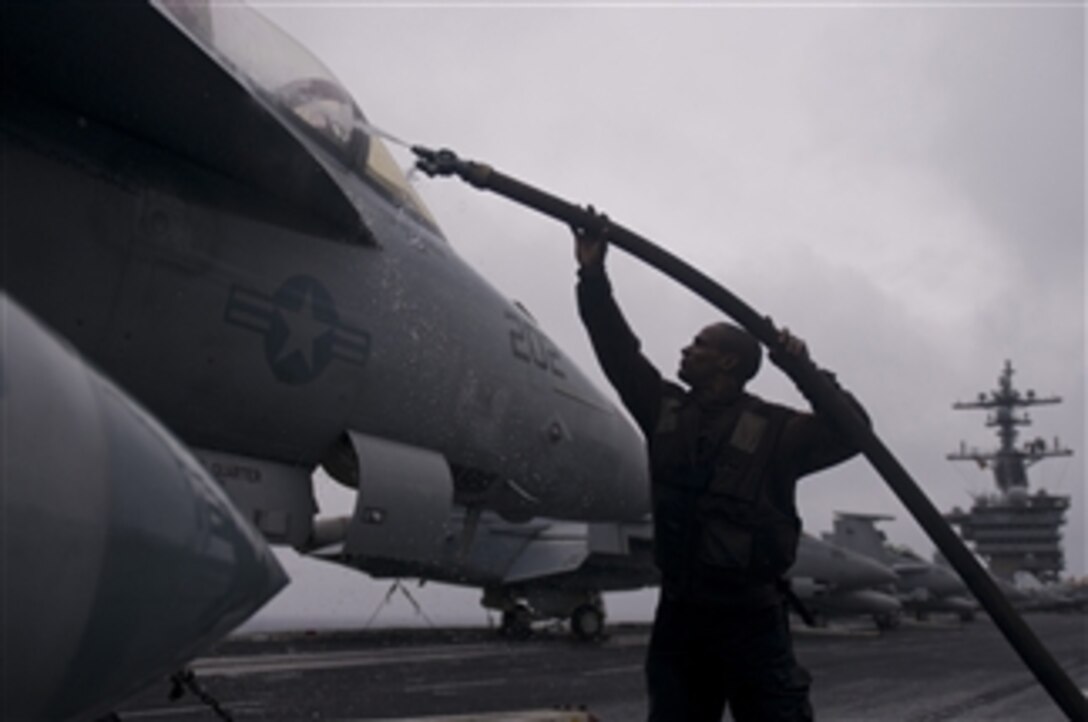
900,184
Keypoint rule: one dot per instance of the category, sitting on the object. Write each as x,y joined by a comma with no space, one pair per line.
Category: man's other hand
791,345
790,353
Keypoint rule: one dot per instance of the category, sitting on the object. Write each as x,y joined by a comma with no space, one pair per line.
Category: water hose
817,387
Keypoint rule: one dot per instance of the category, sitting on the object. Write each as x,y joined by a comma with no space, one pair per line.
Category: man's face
703,359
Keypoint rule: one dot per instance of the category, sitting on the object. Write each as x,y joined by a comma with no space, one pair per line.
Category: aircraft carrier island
1013,529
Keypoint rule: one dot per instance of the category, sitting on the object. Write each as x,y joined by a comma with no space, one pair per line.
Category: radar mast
1013,529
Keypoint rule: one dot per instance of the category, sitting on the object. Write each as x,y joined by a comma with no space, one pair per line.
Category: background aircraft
832,581
197,207
1029,593
547,569
922,587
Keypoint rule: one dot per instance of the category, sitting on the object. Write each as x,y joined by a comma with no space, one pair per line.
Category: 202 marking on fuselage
533,347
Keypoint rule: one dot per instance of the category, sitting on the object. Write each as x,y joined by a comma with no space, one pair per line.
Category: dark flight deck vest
724,515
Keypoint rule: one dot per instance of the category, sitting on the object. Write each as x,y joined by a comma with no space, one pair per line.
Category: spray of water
411,175
371,129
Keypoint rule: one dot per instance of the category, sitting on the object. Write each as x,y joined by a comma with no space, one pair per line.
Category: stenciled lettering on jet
231,472
533,347
302,330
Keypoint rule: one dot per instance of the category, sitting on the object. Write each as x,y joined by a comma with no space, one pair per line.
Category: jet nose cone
872,573
122,559
947,583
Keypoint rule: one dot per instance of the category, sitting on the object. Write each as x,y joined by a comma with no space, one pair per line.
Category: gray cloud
902,186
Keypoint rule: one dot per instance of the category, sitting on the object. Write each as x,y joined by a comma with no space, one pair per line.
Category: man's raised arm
618,349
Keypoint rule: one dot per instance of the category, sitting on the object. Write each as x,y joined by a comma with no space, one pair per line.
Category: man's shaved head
728,338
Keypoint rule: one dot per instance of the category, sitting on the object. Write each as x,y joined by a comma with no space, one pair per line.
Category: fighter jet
120,558
206,215
923,587
553,570
202,215
832,582
1035,595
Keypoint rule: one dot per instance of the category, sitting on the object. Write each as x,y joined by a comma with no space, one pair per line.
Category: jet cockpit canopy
298,89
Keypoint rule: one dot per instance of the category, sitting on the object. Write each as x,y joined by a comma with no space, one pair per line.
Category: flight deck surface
936,670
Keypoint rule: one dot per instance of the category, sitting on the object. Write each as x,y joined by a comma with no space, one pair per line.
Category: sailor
724,466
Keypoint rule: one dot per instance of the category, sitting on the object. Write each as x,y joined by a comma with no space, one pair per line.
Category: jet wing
905,569
547,557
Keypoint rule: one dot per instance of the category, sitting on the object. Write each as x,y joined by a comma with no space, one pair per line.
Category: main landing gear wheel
517,622
587,623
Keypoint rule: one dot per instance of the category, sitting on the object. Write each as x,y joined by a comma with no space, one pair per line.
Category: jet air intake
404,500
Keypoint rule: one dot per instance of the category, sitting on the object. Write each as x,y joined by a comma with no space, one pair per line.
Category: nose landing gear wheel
517,623
889,620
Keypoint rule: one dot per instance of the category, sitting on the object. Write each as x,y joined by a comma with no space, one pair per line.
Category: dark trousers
704,656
